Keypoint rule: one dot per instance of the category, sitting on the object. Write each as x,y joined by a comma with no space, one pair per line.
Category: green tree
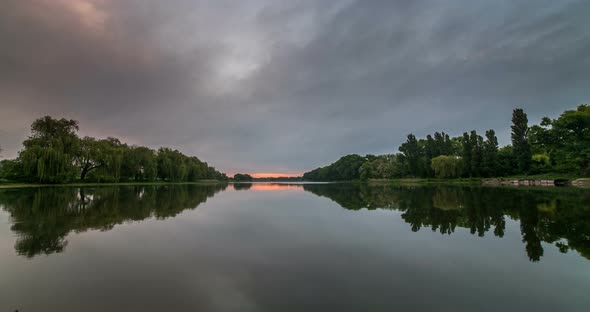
366,171
387,167
139,164
506,161
213,174
566,140
413,155
446,166
346,168
197,170
520,141
110,153
10,170
48,154
242,177
542,138
476,142
541,163
490,154
171,165
444,145
90,156
431,150
466,154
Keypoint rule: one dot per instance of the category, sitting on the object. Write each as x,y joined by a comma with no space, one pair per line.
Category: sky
285,86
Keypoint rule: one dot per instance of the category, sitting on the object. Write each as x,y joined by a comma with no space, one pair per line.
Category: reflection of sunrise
275,187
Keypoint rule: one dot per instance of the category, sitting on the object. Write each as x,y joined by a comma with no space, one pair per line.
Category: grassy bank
545,176
79,184
420,181
577,182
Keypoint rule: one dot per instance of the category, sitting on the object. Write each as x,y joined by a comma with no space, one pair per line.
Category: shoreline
92,184
493,182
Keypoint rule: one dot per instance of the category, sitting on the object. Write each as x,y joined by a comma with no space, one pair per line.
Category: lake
294,247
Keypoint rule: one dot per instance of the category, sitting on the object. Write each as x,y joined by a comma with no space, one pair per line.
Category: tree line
54,153
560,145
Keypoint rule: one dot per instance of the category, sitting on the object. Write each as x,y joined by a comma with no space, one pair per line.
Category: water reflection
43,217
242,186
557,216
264,186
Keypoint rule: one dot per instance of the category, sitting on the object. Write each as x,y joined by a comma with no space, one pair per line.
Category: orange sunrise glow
275,175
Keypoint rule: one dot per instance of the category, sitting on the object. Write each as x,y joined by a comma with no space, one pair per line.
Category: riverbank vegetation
555,147
55,154
242,177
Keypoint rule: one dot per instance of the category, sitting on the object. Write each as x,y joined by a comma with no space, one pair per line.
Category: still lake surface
294,247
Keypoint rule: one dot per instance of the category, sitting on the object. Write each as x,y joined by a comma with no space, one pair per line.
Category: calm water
313,247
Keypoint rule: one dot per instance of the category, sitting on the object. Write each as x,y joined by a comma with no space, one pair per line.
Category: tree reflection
555,216
43,217
242,186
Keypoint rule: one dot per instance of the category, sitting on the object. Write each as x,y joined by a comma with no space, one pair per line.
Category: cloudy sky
286,86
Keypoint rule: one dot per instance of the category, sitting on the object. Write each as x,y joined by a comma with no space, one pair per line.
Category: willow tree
139,164
446,166
171,165
49,153
89,157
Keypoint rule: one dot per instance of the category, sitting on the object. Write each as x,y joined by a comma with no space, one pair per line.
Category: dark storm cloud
285,86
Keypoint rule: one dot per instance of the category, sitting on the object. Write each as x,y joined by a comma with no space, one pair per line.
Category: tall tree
431,150
439,142
466,152
412,154
520,141
490,154
476,153
444,145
